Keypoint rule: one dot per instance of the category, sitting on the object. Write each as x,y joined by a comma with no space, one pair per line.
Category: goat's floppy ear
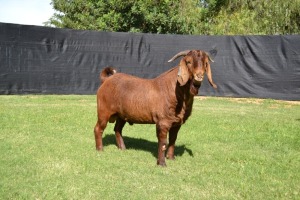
183,73
209,76
212,53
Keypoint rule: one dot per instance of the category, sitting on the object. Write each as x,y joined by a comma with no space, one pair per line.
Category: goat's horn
211,54
182,53
210,59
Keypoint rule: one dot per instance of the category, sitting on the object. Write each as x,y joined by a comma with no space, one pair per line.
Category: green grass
228,149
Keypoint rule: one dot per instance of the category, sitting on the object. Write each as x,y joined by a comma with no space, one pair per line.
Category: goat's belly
135,111
138,119
139,122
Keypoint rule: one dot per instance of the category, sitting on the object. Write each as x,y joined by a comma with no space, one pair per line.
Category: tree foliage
256,17
210,17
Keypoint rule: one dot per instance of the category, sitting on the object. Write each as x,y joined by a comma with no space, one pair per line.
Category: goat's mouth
194,87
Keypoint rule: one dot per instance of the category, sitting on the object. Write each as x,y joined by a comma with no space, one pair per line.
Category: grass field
228,149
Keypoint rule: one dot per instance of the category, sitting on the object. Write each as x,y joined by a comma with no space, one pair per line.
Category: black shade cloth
43,60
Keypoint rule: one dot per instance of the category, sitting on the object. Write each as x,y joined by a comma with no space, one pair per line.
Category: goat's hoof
162,164
99,148
122,148
169,157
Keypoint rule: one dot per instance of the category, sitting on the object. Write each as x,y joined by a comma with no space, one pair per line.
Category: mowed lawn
228,149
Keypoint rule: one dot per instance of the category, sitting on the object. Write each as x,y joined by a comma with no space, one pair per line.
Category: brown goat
165,100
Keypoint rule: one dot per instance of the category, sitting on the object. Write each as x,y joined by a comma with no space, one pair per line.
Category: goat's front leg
172,139
161,132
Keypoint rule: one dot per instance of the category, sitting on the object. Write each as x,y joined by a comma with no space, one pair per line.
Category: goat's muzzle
198,78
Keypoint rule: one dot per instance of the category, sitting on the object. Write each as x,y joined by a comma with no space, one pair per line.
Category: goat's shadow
144,145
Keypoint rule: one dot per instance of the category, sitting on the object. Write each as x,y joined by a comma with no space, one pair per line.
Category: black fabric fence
42,60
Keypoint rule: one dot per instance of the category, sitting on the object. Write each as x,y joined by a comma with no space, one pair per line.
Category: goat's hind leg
118,131
98,131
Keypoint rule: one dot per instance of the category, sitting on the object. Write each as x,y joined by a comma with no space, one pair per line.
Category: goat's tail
106,72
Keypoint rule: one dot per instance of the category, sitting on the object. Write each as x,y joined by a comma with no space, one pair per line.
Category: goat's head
193,66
